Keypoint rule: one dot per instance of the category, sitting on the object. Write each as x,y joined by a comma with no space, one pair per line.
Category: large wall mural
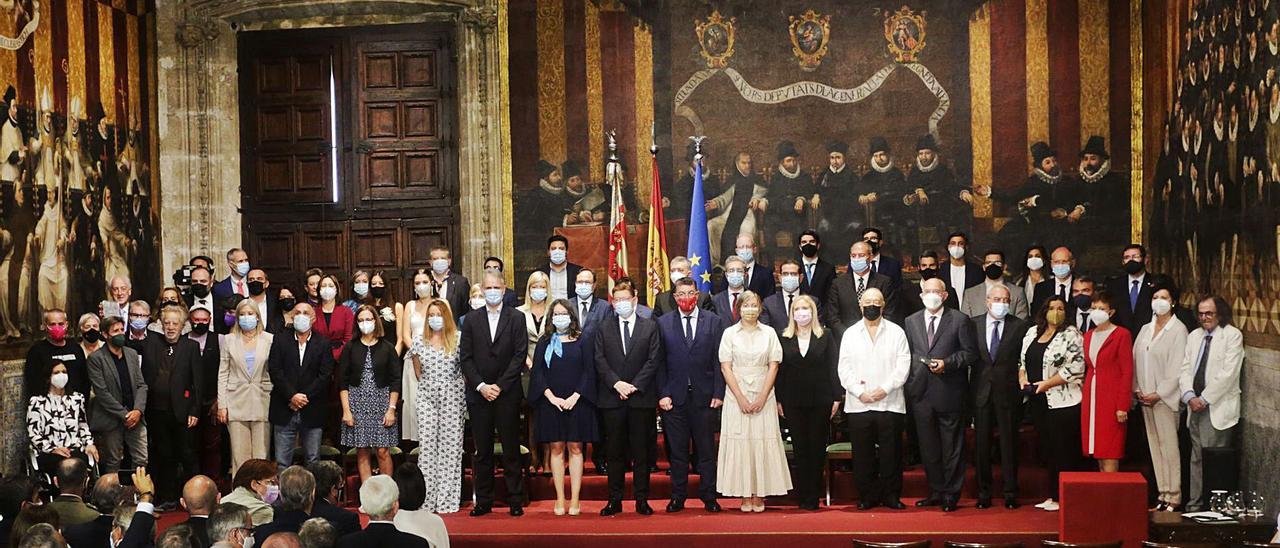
76,207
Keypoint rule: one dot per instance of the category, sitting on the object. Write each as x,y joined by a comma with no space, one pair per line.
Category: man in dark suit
200,294
495,265
380,499
756,277
1134,289
560,272
1063,264
735,279
958,273
171,369
1081,302
328,475
628,353
107,492
297,495
299,387
882,264
993,378
199,499
817,274
691,388
942,350
910,291
665,301
492,352
776,311
591,309
208,433
447,284
842,308
237,271
263,296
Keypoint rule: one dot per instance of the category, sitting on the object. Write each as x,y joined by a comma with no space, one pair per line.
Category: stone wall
1260,419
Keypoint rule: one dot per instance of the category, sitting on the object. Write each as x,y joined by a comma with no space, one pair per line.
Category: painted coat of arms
715,38
810,34
905,31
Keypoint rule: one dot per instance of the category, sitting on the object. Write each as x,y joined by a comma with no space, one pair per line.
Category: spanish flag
656,254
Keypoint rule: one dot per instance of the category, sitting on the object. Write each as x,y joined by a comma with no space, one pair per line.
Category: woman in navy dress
561,392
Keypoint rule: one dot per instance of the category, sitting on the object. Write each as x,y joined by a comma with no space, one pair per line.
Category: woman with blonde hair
440,406
370,391
809,393
244,386
752,462
412,323
535,312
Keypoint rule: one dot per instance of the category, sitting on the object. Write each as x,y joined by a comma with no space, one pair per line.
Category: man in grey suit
120,398
993,379
942,349
974,303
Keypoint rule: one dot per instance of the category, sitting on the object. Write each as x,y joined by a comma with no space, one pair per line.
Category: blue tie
995,341
808,273
1133,296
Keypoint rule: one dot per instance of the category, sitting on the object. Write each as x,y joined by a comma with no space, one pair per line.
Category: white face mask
1098,316
999,310
59,380
790,283
436,323
802,317
328,293
422,290
361,288
957,252
367,327
477,303
932,301
1035,263
1161,306
538,294
675,277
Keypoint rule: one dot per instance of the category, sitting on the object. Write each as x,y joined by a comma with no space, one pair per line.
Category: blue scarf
556,348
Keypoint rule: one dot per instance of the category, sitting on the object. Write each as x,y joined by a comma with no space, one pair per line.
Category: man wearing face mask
942,350
171,368
665,301
492,352
258,285
690,389
449,285
496,266
974,303
559,270
993,379
776,312
959,274
842,308
301,368
230,527
120,398
1062,262
236,281
139,319
590,309
817,274
756,277
628,351
55,348
1134,287
200,294
910,293
882,264
1081,301
735,279
208,433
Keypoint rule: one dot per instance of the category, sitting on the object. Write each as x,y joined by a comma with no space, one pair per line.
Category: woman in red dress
1108,386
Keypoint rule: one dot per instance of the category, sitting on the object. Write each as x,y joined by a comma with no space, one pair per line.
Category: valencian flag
617,219
699,245
656,255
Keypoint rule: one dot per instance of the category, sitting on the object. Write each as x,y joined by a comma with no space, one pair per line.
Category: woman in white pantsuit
244,387
1157,360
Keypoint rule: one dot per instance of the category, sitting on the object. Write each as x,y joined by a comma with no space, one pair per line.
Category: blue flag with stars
699,249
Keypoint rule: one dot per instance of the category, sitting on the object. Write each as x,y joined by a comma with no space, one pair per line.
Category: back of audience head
29,516
379,498
283,539
107,493
412,486
42,535
230,523
200,495
317,533
121,520
328,476
16,493
72,476
177,536
297,489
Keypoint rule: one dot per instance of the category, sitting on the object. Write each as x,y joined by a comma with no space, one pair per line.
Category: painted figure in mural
49,245
836,181
878,201
86,256
115,248
734,210
1049,205
139,224
679,198
8,328
102,150
72,153
45,152
795,197
936,204
590,204
544,207
1107,193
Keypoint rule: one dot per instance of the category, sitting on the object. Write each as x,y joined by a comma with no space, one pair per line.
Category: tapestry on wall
76,210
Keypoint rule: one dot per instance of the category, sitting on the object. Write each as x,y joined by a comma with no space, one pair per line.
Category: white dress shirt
867,364
994,324
1065,283
262,308
957,279
693,320
631,326
559,286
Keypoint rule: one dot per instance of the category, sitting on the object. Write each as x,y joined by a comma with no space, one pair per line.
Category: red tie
240,287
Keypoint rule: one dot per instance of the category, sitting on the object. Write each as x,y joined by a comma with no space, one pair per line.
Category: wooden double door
348,150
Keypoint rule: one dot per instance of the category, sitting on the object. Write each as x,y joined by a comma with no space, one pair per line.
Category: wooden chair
836,451
1057,544
870,544
950,544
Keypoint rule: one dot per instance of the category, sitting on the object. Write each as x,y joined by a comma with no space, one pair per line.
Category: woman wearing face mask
244,386
475,300
809,394
1050,372
440,408
413,326
254,487
1034,272
388,310
752,462
334,321
1108,386
90,335
534,308
359,291
370,394
562,393
57,423
282,322
1158,353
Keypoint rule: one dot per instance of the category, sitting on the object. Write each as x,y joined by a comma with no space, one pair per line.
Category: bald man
200,498
282,539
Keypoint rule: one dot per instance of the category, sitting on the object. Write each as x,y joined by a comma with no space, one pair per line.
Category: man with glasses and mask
843,310
139,320
974,303
1210,386
665,301
882,264
1134,287
231,527
120,398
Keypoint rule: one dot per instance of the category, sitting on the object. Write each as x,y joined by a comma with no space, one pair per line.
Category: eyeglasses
687,294
1206,314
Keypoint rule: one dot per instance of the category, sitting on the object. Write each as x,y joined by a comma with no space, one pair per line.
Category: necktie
1133,296
435,287
626,335
1197,383
240,288
733,301
808,272
933,329
688,329
862,286
995,341
875,268
1062,291
584,312
789,297
1084,321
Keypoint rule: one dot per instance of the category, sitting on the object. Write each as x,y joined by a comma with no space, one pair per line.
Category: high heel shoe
575,509
758,507
558,509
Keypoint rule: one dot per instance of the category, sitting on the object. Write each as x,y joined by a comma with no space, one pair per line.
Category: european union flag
699,248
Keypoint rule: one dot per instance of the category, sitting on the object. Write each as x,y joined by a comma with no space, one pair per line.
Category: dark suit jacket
207,368
842,308
570,274
498,360
811,380
824,274
954,344
720,305
666,302
596,313
761,281
458,294
139,533
89,535
696,365
387,366
909,299
774,312
972,275
639,366
382,535
200,527
222,288
344,521
1134,319
891,267
290,522
288,377
107,411
994,378
186,385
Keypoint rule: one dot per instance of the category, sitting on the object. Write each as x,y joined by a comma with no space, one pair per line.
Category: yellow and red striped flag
656,254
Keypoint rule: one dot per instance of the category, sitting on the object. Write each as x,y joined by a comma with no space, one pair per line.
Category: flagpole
656,258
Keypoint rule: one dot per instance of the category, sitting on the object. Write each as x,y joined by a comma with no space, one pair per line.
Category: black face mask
1082,302
378,291
993,271
199,328
256,288
118,340
875,246
200,290
809,250
1134,267
871,312
91,336
287,303
928,273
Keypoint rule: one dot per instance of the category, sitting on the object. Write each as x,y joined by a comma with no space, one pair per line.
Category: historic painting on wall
76,190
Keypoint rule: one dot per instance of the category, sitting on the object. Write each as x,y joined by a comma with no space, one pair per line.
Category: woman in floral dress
441,405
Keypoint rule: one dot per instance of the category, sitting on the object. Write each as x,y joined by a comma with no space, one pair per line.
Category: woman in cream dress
752,463
413,321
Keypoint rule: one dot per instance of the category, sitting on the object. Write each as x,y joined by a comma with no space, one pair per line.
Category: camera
182,277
